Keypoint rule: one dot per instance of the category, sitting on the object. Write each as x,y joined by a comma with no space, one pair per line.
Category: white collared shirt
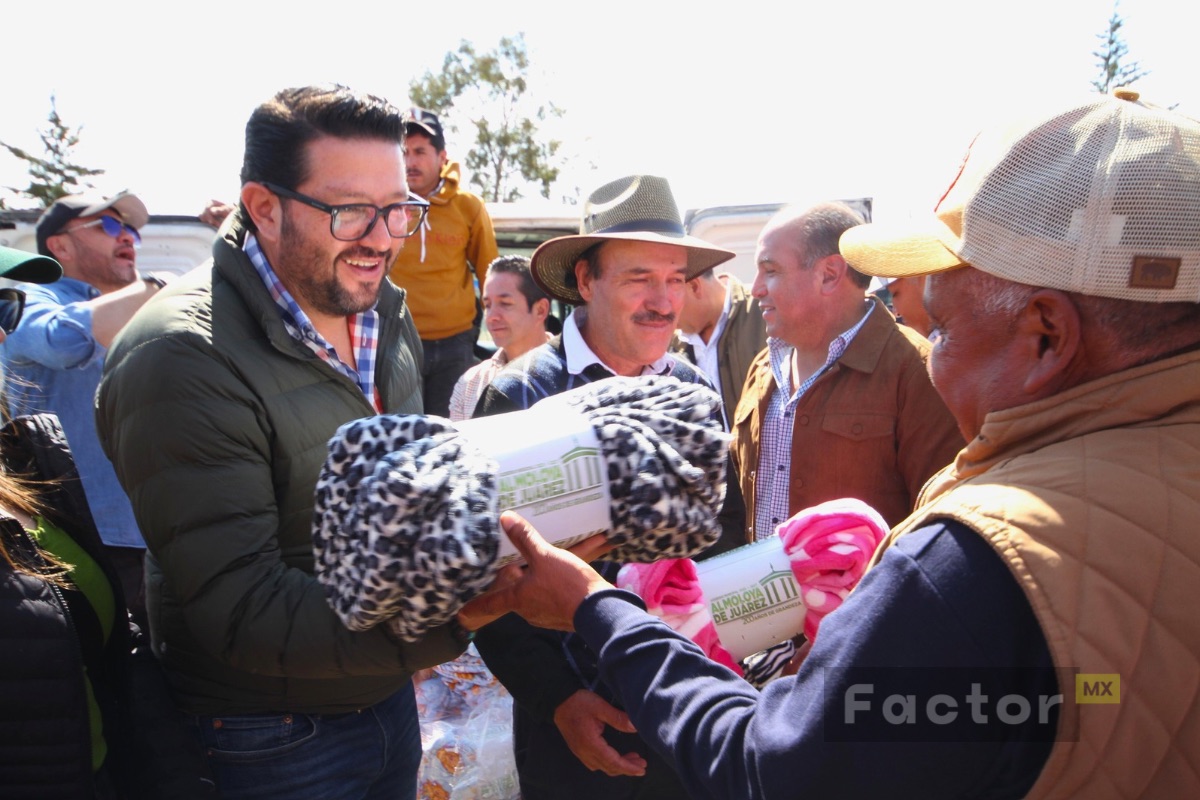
580,356
707,352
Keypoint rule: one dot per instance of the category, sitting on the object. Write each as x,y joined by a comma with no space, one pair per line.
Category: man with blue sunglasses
54,359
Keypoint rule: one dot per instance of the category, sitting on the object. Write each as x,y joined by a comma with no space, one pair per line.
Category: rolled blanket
666,452
671,590
829,546
406,525
741,602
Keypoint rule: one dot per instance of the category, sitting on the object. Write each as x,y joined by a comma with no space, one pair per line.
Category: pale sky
737,102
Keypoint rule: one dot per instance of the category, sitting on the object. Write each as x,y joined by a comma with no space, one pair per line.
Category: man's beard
315,279
101,271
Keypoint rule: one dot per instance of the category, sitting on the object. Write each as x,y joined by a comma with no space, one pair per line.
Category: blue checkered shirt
774,474
363,327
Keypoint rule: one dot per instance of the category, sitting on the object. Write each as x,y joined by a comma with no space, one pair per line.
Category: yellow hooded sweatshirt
436,263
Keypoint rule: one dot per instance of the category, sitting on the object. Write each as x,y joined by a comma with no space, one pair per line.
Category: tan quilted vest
1092,497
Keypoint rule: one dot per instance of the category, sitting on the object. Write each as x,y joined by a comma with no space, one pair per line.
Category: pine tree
1113,73
55,174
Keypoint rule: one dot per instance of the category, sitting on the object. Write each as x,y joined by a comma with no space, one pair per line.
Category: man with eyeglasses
216,407
447,257
54,359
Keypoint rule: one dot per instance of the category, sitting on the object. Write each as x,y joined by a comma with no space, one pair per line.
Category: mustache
365,252
653,316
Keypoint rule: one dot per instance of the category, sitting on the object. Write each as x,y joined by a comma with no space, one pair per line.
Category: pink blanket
828,545
671,591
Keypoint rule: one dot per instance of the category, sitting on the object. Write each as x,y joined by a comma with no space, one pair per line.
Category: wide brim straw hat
637,208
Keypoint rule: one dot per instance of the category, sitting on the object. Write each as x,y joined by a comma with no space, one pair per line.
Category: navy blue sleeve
493,402
908,690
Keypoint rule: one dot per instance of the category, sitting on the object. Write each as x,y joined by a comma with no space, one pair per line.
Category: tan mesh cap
1102,198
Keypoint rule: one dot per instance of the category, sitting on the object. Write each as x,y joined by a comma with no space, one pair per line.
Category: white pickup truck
177,243
170,244
736,228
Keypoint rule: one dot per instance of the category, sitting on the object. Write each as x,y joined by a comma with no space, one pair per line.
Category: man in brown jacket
839,404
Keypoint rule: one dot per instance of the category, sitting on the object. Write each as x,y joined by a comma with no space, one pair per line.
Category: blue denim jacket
53,363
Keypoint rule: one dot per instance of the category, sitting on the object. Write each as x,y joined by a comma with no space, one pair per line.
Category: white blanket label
753,597
551,471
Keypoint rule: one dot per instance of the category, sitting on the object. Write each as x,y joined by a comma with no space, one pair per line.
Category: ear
265,209
831,271
584,280
59,247
541,308
1050,334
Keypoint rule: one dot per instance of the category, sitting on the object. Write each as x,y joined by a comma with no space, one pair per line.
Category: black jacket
45,739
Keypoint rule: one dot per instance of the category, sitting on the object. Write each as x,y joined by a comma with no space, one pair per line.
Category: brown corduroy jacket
871,427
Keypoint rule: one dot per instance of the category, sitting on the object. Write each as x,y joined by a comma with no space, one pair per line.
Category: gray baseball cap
129,206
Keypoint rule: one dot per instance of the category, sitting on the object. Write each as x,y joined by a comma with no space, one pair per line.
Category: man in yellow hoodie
441,264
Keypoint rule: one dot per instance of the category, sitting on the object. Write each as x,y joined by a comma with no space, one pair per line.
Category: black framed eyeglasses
353,221
12,305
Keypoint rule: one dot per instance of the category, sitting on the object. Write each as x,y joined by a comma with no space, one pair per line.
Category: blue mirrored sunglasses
112,226
12,305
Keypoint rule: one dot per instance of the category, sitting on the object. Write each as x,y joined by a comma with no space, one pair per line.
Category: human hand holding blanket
671,591
827,548
407,506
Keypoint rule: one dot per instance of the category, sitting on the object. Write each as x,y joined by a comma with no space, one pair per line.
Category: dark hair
591,257
279,130
438,142
822,226
519,266
20,495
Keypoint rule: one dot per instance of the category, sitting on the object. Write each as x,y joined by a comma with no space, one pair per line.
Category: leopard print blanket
407,526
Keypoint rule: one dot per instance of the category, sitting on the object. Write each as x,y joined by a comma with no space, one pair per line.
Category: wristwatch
154,279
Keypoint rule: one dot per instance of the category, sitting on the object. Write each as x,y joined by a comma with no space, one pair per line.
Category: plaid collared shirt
774,474
363,328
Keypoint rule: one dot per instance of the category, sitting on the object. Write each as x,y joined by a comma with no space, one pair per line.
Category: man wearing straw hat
626,274
1043,593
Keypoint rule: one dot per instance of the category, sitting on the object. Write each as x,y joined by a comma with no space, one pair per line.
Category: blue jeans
371,754
445,362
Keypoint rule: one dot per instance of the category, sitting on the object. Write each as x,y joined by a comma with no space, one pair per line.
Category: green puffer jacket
217,423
